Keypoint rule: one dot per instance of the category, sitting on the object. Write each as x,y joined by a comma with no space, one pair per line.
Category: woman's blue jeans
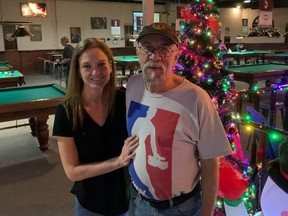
81,211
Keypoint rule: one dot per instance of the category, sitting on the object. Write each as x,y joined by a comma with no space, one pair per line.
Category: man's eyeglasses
162,51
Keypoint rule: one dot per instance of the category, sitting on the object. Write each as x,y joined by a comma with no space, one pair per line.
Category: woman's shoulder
60,107
64,107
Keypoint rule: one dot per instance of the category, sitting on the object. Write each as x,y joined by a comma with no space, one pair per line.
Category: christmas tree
201,62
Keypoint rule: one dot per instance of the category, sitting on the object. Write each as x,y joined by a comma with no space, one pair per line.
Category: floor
32,182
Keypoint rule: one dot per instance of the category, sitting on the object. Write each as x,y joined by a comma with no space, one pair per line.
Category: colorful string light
201,63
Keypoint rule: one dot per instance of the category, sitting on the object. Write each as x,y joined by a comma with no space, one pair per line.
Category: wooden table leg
39,128
272,118
42,132
254,149
33,126
252,93
262,148
238,105
123,69
256,101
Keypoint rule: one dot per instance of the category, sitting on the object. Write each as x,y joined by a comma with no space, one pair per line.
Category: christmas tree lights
201,63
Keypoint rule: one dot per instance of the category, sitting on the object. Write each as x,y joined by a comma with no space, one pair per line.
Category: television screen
33,10
138,20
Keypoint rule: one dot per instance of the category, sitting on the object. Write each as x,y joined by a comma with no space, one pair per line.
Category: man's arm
209,185
64,61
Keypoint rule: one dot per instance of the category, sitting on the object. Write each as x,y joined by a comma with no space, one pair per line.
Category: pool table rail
11,78
251,74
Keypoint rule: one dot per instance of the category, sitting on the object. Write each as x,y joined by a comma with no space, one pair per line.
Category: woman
90,126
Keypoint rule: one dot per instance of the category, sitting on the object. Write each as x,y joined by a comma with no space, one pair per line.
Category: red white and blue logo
151,169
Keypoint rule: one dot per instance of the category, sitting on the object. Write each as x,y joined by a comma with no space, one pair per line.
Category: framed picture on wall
10,43
36,32
227,30
115,27
138,20
75,34
227,39
244,22
98,23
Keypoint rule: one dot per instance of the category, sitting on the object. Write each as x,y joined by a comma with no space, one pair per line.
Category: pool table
4,66
35,103
11,78
127,62
251,74
246,55
278,57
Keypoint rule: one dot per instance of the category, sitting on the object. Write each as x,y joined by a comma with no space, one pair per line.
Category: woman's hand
128,150
76,171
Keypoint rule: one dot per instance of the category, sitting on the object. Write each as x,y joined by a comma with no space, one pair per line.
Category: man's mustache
152,64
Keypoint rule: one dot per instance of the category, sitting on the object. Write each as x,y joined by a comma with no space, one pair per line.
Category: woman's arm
76,171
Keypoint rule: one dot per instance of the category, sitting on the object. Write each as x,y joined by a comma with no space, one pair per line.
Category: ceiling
254,4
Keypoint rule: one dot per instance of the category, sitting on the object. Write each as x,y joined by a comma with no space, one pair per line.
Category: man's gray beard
148,80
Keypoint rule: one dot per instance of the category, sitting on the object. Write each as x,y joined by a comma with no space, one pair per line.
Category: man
222,46
237,47
179,131
66,57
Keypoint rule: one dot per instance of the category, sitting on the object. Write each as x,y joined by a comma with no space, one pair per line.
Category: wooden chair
272,104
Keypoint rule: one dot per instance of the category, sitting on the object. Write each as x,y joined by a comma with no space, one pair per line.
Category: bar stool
52,69
269,149
46,65
61,75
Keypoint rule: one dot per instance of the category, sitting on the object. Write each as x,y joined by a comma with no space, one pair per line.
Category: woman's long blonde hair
72,99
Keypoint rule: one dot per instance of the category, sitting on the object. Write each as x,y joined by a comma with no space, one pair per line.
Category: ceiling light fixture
21,31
